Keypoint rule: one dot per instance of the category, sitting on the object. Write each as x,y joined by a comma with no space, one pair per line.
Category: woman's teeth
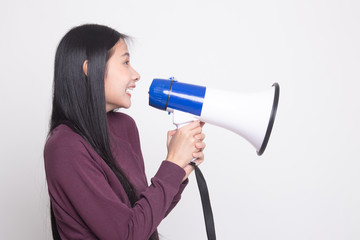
129,90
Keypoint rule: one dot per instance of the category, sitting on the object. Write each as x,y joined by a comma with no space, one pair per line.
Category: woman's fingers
184,142
198,155
198,161
200,137
200,145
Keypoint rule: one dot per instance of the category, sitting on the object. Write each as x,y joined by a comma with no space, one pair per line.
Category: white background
305,186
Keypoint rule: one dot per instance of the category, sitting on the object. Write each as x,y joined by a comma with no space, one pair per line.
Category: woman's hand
185,144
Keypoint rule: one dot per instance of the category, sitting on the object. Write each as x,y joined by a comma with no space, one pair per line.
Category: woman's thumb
170,134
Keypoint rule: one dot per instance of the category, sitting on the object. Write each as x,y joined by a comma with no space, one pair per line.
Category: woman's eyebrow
126,55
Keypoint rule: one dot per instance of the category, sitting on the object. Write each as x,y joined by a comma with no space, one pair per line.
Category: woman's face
120,78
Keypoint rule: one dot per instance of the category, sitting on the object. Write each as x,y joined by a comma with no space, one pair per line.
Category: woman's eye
127,63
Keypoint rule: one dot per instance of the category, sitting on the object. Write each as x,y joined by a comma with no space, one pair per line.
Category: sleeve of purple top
177,197
72,173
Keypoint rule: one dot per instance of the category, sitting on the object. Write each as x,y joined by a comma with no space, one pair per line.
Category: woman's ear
85,67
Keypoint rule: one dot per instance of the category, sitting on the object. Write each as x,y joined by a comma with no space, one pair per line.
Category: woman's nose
136,75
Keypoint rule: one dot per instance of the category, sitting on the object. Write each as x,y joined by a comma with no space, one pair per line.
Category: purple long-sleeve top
87,198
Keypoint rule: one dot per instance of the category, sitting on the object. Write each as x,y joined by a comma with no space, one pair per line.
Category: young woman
93,161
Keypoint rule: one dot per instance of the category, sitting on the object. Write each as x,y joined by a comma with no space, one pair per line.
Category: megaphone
250,115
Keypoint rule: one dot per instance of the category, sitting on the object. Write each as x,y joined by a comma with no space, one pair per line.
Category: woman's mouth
129,91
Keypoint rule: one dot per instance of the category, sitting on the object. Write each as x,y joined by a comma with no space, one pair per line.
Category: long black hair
79,98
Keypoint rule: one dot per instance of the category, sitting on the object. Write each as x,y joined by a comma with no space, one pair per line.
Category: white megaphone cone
250,115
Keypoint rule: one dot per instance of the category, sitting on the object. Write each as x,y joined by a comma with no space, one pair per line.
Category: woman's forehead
121,48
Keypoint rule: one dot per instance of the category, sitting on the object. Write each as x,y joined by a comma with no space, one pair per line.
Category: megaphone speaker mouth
271,120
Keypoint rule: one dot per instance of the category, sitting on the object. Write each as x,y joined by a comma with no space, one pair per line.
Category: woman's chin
126,106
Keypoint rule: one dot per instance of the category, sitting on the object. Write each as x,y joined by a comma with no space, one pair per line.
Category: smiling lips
129,90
